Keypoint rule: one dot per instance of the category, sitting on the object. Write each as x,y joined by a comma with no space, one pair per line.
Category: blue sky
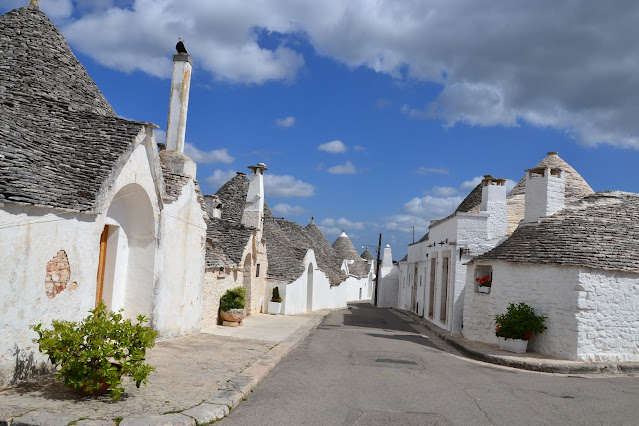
375,116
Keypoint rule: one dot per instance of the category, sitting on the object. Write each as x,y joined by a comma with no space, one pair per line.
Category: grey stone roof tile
598,231
327,259
367,255
60,140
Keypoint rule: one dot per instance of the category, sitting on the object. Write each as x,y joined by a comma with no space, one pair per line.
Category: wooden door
101,262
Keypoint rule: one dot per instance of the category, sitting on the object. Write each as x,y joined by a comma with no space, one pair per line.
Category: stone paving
189,371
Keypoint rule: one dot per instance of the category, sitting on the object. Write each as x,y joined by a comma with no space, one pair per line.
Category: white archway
309,288
129,266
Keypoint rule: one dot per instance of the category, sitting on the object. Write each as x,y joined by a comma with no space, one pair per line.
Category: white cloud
220,177
332,228
359,148
444,191
223,36
343,169
285,186
282,209
334,147
423,170
471,184
214,156
405,223
429,207
496,64
285,122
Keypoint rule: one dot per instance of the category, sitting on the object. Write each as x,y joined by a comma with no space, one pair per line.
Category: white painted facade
143,274
432,284
545,193
592,314
388,281
310,292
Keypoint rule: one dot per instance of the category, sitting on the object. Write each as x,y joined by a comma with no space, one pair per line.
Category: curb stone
206,413
541,365
173,419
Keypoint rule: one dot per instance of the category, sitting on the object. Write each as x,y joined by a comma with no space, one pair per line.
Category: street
365,366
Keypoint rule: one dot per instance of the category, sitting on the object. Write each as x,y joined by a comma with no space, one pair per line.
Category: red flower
476,279
496,328
527,336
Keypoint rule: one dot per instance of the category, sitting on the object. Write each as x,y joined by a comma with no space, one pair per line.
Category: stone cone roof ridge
367,255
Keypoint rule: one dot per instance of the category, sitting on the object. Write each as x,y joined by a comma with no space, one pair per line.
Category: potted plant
232,306
94,354
275,305
517,326
484,284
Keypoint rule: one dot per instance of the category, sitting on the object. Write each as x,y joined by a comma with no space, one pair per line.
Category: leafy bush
276,295
99,349
519,322
234,298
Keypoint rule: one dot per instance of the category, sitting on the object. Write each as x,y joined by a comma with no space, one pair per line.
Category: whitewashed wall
549,290
389,287
608,316
295,296
30,237
179,291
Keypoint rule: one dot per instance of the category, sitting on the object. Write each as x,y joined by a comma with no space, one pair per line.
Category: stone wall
608,316
549,290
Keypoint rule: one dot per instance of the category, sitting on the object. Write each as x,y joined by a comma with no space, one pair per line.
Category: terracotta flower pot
104,387
233,315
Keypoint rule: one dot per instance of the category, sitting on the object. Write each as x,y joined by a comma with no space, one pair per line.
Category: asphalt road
365,366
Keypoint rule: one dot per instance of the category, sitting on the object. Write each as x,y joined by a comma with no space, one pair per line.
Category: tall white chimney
254,206
387,259
545,192
493,202
179,102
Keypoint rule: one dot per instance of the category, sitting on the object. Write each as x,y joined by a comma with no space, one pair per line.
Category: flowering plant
519,322
484,281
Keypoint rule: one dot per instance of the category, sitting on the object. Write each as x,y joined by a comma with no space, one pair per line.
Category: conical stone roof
346,250
367,255
576,189
61,143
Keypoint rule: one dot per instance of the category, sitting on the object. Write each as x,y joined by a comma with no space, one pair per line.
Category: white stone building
89,210
432,280
577,264
436,273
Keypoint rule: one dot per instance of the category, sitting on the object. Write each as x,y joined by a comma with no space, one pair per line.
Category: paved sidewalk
198,379
527,361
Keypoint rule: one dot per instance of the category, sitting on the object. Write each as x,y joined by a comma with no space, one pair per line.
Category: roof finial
35,3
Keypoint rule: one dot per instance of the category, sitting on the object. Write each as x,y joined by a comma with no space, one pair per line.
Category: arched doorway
127,253
246,282
309,288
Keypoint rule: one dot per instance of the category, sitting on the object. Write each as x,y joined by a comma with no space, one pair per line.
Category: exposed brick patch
58,274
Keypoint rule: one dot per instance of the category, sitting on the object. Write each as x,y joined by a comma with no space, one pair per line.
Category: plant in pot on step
92,355
517,326
275,305
232,306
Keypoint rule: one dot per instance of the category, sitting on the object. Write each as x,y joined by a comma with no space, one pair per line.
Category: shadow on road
414,338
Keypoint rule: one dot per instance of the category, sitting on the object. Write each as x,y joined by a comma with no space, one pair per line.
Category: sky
375,116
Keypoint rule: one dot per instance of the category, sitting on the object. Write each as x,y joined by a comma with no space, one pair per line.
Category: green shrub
234,298
276,295
519,322
99,349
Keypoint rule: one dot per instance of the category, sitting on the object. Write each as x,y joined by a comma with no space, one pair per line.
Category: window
257,270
